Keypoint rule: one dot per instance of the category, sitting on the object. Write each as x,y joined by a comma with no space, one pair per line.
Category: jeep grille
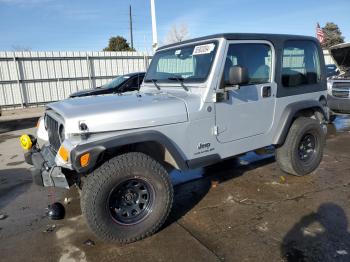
52,129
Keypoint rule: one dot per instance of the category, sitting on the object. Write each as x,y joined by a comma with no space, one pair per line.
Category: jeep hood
120,112
341,55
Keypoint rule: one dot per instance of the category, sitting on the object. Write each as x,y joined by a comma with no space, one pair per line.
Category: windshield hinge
215,130
214,97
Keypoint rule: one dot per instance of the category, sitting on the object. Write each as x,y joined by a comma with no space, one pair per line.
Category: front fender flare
97,148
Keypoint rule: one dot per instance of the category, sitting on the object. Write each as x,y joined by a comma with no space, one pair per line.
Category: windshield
116,82
191,63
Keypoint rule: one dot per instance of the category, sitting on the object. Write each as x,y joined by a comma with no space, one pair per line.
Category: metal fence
327,57
33,78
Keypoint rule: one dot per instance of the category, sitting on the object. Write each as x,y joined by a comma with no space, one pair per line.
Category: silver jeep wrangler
202,101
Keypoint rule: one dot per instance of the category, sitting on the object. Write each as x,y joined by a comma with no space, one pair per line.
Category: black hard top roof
245,36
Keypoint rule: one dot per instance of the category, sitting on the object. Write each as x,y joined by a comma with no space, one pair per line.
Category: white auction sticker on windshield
178,52
203,49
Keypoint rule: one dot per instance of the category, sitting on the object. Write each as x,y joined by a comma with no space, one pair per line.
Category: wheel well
153,149
313,112
308,112
323,101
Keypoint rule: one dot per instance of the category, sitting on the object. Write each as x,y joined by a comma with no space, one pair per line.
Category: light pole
154,26
130,25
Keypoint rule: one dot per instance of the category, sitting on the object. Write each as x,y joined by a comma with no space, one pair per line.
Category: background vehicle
202,101
339,85
120,84
332,70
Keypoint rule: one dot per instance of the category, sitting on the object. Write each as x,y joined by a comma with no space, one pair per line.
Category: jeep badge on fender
203,146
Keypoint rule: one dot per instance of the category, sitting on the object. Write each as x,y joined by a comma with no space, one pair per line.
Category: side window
257,58
132,84
301,65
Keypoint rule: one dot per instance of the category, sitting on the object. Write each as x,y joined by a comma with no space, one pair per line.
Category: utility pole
131,36
154,26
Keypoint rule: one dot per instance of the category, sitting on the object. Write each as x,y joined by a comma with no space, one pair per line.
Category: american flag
319,33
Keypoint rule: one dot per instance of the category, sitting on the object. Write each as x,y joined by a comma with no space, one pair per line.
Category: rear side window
301,65
255,57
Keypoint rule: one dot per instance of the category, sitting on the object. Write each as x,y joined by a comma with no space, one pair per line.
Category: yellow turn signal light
26,142
63,153
84,160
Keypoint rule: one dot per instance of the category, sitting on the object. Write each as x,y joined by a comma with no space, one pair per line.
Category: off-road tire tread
110,168
284,153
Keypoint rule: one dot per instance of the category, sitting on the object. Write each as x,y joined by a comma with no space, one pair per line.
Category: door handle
266,91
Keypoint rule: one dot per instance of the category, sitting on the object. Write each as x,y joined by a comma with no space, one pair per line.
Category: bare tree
177,34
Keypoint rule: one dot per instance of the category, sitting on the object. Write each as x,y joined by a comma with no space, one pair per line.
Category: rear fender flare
290,113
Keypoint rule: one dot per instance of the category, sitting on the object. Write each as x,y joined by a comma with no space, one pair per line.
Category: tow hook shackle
27,141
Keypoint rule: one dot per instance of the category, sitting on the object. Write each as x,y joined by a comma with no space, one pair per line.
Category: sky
86,25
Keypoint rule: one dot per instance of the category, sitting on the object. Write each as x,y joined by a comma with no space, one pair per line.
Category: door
249,110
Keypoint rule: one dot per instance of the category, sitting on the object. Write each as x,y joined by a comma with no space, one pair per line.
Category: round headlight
61,133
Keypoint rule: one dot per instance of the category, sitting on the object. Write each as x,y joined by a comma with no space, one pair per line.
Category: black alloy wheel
130,202
307,148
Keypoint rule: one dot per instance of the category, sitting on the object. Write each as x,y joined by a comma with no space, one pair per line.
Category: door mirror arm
232,88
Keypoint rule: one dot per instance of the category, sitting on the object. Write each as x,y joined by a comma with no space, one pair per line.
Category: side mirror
238,75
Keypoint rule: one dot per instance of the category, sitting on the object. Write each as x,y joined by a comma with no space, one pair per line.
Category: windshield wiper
180,80
154,81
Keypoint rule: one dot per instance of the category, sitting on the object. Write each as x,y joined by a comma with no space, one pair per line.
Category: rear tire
302,150
127,198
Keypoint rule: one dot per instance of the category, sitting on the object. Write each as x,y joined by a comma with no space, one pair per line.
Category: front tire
127,198
302,150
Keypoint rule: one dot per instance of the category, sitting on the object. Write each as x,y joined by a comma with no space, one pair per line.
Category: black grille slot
342,85
52,129
340,93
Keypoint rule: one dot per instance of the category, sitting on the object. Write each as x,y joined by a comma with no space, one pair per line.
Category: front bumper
339,105
44,171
